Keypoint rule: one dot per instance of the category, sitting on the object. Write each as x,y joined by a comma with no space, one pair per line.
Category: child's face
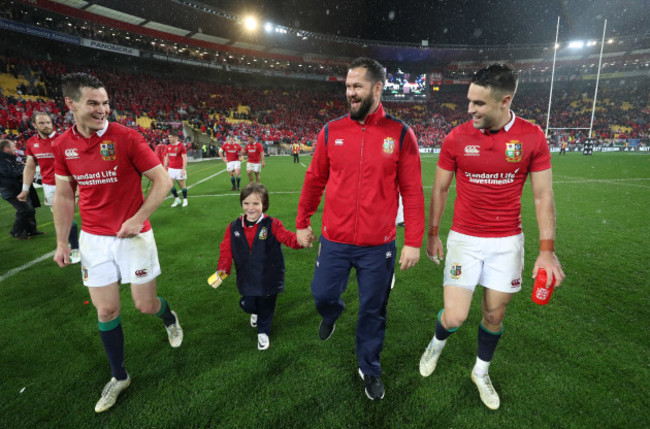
252,206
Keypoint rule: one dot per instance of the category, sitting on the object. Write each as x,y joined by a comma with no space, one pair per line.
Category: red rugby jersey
108,169
41,150
491,169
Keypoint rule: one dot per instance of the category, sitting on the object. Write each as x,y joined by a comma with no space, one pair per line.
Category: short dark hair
4,143
500,77
374,71
72,83
174,133
255,188
36,113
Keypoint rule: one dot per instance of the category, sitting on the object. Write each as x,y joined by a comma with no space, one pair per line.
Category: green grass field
581,361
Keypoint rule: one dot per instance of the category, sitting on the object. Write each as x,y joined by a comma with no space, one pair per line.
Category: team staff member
231,153
295,149
39,149
491,156
11,173
364,159
106,161
255,153
176,165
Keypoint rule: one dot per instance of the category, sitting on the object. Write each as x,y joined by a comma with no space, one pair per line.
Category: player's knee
147,306
107,313
452,319
494,317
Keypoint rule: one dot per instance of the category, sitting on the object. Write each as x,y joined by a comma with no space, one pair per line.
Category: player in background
161,151
231,153
255,153
176,165
491,156
39,149
254,241
106,162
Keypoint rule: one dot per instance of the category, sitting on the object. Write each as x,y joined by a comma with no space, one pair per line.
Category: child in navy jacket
254,241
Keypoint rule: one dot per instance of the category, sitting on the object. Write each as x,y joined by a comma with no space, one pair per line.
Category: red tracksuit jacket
364,167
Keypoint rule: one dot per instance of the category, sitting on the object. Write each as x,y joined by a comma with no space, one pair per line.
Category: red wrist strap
547,245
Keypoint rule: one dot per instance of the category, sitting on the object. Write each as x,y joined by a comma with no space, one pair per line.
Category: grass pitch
581,361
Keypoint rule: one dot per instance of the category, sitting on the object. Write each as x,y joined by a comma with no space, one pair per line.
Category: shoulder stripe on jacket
405,129
326,127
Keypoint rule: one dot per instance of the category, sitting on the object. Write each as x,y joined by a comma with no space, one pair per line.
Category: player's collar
52,135
99,133
507,126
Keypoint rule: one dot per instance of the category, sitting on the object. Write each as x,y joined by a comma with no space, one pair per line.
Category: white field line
571,181
25,266
15,271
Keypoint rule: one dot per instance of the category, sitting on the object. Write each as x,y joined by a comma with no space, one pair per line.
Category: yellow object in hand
215,279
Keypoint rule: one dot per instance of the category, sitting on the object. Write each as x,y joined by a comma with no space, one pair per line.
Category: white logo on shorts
71,153
389,254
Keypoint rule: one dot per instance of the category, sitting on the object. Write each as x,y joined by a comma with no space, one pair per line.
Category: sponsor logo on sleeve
472,150
71,153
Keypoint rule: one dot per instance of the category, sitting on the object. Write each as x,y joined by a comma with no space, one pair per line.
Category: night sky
476,22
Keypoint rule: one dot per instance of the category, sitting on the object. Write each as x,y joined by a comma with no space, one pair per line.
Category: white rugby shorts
233,165
177,173
254,167
493,262
106,259
48,194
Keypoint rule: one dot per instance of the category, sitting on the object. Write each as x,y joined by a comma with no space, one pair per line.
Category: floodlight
577,44
250,23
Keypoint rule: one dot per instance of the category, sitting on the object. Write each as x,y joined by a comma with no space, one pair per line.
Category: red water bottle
541,293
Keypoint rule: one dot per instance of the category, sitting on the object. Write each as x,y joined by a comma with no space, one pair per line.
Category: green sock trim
439,320
488,331
108,326
163,307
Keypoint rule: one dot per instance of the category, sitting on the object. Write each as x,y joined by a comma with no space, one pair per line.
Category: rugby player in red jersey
255,162
176,165
231,153
106,162
491,156
39,150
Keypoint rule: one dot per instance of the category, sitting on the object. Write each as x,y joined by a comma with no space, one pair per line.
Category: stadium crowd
279,115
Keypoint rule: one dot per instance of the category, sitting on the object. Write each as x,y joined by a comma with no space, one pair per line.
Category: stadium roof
423,33
458,22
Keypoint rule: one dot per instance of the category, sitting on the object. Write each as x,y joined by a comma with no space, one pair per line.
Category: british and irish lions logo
389,145
513,151
107,150
456,271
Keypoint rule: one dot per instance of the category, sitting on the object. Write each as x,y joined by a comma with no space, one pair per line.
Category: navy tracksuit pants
374,266
264,307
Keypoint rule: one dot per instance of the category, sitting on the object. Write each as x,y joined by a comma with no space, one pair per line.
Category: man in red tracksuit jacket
365,159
